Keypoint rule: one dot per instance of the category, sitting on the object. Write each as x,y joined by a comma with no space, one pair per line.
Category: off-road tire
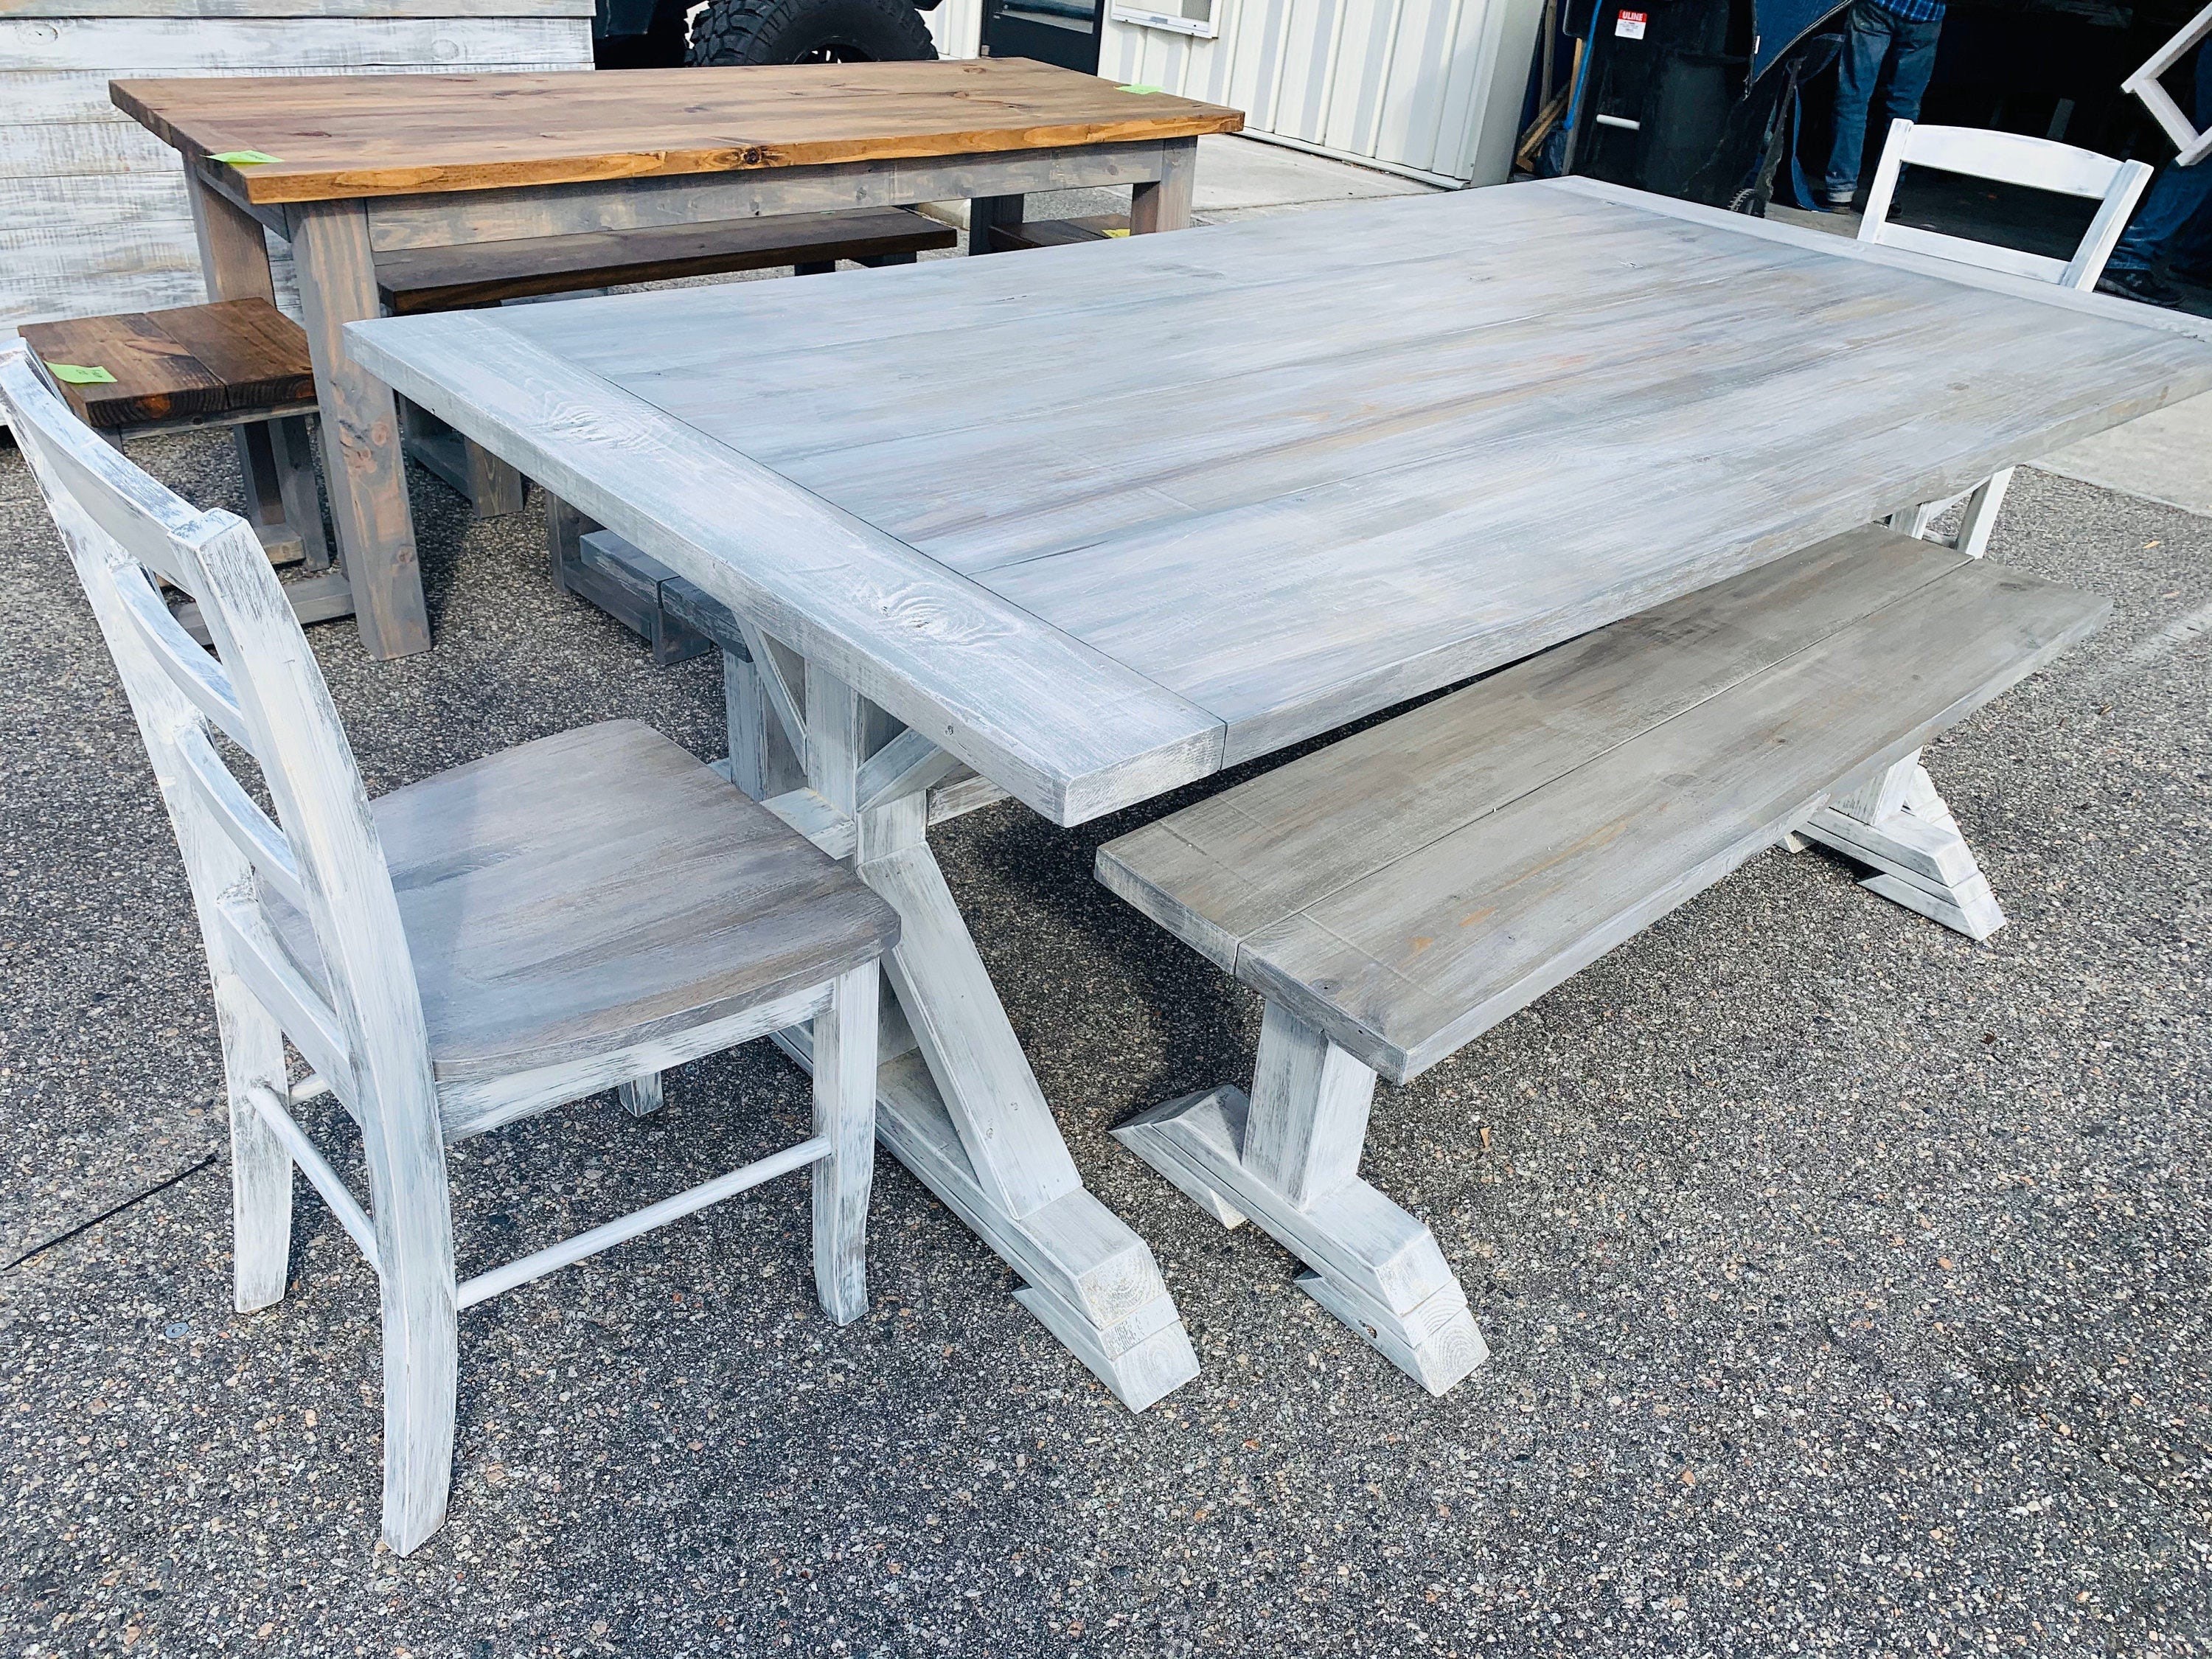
786,31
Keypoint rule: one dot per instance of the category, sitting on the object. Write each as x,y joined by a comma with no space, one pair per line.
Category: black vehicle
662,34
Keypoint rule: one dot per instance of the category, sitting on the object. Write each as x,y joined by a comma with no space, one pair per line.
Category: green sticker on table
246,158
81,374
1137,89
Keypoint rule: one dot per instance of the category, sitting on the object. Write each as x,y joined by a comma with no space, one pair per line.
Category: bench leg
1288,1157
493,488
960,1106
985,215
1898,824
1983,503
565,530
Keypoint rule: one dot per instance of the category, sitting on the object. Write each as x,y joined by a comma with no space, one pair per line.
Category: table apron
462,217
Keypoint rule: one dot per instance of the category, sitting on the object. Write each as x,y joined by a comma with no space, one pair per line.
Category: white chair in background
574,914
2015,159
2145,84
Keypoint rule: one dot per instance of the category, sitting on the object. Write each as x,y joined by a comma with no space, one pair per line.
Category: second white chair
2009,158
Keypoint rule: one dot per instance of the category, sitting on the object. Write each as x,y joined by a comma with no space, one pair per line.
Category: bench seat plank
1408,888
186,363
485,273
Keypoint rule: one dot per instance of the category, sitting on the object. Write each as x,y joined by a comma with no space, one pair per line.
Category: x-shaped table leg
957,1103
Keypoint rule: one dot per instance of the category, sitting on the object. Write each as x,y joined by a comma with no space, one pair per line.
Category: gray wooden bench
1393,895
476,275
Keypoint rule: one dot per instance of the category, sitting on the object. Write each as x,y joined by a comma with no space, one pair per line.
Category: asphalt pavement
1846,1282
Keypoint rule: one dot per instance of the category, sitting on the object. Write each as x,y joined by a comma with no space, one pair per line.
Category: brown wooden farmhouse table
1101,520
374,164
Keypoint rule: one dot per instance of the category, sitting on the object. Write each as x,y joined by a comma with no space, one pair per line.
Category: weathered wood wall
92,216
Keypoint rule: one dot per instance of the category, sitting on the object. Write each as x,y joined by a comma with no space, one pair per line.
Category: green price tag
80,374
1137,89
244,158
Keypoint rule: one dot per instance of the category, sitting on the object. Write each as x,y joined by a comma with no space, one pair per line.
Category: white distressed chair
2146,83
576,914
2015,159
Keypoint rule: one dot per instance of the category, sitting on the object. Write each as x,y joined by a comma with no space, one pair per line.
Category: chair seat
577,894
192,363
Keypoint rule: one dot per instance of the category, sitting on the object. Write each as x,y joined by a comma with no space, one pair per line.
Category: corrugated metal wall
1430,86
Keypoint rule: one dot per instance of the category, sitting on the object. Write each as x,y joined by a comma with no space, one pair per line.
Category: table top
346,137
1105,518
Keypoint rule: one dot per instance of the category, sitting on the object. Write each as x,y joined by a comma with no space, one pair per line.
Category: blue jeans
2171,223
1874,37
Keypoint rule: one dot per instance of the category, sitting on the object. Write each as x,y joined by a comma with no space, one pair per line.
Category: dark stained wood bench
239,363
1396,894
1007,237
487,273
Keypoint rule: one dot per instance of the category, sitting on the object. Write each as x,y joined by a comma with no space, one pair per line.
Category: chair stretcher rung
336,1194
538,1263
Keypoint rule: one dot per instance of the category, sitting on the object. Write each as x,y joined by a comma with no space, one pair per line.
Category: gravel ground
1846,1282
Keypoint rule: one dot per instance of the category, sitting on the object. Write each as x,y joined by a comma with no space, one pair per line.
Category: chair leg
420,1359
640,1097
414,1222
845,1113
260,1168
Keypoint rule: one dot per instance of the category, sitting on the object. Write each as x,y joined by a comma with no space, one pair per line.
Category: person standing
1899,34
2173,223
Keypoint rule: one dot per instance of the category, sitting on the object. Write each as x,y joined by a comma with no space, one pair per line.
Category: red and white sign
1629,25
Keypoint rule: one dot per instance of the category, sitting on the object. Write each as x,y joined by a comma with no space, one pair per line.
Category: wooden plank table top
1104,518
402,134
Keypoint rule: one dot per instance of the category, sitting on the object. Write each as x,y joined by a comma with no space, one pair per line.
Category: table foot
1090,1281
1899,826
1373,1266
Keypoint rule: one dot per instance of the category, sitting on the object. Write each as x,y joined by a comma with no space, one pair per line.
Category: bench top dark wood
404,134
176,365
593,889
485,273
1409,887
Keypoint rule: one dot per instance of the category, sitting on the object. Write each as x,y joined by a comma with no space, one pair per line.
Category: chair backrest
263,690
2009,158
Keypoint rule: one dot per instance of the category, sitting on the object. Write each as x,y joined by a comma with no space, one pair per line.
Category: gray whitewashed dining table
1096,522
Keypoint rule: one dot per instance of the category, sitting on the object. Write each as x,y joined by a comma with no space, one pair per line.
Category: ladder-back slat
243,824
258,957
2008,158
198,676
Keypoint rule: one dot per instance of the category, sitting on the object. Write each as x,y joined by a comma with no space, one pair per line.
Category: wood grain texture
177,364
544,932
1061,726
1408,888
1293,507
488,273
404,134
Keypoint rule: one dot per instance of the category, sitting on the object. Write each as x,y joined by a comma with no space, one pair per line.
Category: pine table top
344,136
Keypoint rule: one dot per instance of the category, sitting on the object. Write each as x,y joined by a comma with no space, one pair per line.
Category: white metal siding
1432,86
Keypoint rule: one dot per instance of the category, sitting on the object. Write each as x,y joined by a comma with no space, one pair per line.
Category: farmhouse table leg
1288,1157
1896,823
957,1104
360,430
1166,205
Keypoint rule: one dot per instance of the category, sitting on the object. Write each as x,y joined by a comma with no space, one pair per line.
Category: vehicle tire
808,32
